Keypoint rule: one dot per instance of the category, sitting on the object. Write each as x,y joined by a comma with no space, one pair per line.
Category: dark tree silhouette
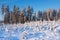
18,16
51,14
32,12
40,15
22,17
16,13
34,17
2,8
25,14
45,15
58,15
29,13
13,18
7,14
54,14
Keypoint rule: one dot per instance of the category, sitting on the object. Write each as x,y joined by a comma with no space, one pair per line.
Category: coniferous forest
28,14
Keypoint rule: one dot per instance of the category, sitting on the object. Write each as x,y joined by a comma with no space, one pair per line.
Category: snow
46,30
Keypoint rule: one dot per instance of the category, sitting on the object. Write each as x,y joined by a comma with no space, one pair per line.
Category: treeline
27,15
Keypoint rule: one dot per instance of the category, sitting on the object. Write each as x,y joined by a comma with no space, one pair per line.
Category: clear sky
36,4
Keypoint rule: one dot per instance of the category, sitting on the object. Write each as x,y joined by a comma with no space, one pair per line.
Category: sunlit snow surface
31,31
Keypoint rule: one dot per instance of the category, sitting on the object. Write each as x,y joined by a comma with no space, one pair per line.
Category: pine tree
40,15
58,14
2,8
29,13
7,19
22,17
45,15
16,13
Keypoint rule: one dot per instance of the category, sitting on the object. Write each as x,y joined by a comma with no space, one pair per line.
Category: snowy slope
46,30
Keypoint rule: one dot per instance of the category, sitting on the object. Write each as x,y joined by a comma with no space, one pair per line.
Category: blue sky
36,4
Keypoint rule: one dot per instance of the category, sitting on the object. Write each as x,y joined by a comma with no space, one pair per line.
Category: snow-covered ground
46,30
